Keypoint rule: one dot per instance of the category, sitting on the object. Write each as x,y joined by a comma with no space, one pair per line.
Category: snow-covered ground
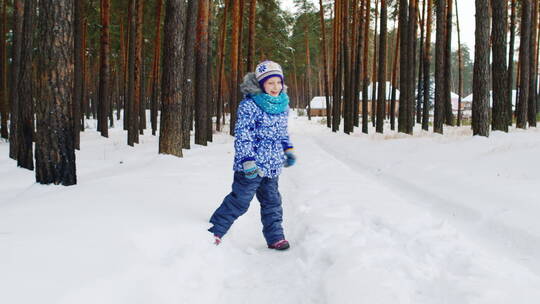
371,219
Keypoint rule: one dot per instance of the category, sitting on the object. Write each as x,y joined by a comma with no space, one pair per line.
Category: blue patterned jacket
259,136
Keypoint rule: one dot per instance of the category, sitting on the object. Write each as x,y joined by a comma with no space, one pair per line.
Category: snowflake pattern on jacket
261,137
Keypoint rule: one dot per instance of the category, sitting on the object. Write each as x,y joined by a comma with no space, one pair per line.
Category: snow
371,219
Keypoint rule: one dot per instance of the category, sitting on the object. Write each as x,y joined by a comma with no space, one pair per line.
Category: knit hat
267,69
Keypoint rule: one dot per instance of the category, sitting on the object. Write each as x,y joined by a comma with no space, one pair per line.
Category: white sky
466,21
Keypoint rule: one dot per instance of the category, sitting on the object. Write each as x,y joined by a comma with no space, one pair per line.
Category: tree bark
170,135
221,66
78,91
510,77
449,116
403,24
524,61
4,105
440,54
480,119
201,62
381,98
533,77
251,35
104,70
155,70
426,65
374,66
365,77
55,151
499,69
325,66
26,109
189,71
460,67
18,11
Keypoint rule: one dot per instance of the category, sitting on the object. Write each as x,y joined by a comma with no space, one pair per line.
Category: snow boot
217,240
280,245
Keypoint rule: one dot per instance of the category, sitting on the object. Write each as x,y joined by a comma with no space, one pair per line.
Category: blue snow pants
237,203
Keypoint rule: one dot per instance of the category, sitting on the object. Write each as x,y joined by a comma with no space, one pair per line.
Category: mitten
251,170
290,158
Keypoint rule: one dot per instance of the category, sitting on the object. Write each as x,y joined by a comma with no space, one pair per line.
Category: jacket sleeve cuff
245,159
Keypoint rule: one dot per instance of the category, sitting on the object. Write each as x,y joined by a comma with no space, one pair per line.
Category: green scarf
271,104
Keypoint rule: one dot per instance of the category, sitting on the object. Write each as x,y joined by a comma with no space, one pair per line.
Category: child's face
273,86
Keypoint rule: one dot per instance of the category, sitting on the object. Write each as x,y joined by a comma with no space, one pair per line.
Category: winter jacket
259,136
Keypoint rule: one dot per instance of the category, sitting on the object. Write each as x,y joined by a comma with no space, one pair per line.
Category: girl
262,148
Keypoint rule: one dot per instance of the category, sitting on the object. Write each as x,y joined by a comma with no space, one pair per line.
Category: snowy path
133,230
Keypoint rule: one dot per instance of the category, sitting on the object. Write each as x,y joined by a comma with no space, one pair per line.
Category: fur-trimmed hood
250,86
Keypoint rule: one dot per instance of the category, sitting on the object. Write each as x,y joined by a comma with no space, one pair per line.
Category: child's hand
251,170
291,158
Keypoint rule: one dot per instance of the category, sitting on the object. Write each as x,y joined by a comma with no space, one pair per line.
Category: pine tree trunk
210,78
79,72
412,64
403,24
374,66
308,73
449,116
325,66
394,83
510,77
338,62
358,64
189,71
460,67
524,61
365,77
170,134
26,109
533,77
499,70
221,66
18,11
440,54
201,62
138,118
420,97
155,70
104,71
427,63
251,34
4,106
130,116
55,151
480,118
235,41
382,70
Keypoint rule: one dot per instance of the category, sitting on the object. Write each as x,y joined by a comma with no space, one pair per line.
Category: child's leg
235,204
271,210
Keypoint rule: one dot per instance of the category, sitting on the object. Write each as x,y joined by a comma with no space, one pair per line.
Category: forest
177,65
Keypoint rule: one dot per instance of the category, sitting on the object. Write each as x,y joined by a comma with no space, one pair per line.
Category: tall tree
382,70
440,54
78,90
365,77
55,150
449,116
499,70
26,108
404,99
235,42
394,83
510,77
524,62
359,12
251,35
138,117
480,118
374,66
4,107
337,66
189,71
460,67
131,116
104,70
201,62
221,66
533,77
325,65
421,65
427,63
170,135
155,69
18,11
